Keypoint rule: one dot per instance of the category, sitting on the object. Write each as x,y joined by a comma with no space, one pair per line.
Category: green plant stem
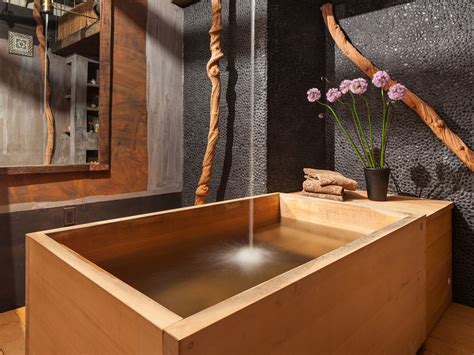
387,128
362,137
348,136
362,133
382,144
356,129
371,132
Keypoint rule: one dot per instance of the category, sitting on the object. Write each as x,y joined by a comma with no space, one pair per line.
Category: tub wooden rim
180,328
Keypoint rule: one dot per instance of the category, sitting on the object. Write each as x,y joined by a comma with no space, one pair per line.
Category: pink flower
397,92
344,86
314,95
333,94
380,79
358,86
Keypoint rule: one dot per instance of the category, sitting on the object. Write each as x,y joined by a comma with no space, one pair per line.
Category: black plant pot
376,181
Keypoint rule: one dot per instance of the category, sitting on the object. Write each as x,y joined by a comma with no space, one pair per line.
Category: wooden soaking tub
331,278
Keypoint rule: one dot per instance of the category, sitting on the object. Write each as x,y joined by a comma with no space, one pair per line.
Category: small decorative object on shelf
347,96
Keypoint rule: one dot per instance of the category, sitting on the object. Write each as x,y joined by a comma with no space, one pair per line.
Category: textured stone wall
427,45
232,164
296,62
14,226
289,59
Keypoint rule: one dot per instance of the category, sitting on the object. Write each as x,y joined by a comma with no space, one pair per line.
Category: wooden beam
48,111
213,72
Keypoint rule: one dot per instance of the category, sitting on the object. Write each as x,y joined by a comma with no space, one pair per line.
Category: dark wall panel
427,45
296,62
14,226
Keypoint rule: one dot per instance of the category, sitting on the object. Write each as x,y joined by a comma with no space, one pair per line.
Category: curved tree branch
213,71
427,114
48,154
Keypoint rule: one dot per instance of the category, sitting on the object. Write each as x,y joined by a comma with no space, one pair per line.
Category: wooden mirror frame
105,68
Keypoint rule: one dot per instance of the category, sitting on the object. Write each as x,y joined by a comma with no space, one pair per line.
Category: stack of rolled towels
326,184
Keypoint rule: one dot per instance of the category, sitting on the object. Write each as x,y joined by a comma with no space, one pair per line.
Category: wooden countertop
406,204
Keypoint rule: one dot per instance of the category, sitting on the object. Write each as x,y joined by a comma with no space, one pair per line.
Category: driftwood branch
427,114
48,154
213,71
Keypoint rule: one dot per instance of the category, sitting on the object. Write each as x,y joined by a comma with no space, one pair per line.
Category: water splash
245,258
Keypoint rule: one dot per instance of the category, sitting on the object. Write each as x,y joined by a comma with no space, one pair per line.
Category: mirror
62,123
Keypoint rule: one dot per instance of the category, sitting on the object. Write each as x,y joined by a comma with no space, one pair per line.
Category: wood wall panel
438,268
165,70
21,116
129,164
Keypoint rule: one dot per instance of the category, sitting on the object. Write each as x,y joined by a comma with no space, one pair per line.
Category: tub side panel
69,314
103,240
371,301
438,267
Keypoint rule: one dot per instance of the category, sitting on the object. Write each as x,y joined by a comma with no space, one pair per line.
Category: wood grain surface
129,163
367,296
12,332
165,72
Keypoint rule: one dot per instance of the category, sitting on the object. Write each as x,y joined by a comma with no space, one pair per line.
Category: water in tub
189,278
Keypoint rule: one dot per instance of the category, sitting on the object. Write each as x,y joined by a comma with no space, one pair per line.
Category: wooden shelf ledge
85,42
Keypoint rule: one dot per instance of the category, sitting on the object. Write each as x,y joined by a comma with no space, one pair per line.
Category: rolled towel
328,177
315,186
323,196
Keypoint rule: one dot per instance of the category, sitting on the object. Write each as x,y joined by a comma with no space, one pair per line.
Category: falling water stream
250,254
252,120
45,78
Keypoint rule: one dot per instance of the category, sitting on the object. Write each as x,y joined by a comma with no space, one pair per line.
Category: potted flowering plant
348,96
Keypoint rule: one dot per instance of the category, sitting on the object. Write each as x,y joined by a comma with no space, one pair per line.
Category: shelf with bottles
92,99
92,122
